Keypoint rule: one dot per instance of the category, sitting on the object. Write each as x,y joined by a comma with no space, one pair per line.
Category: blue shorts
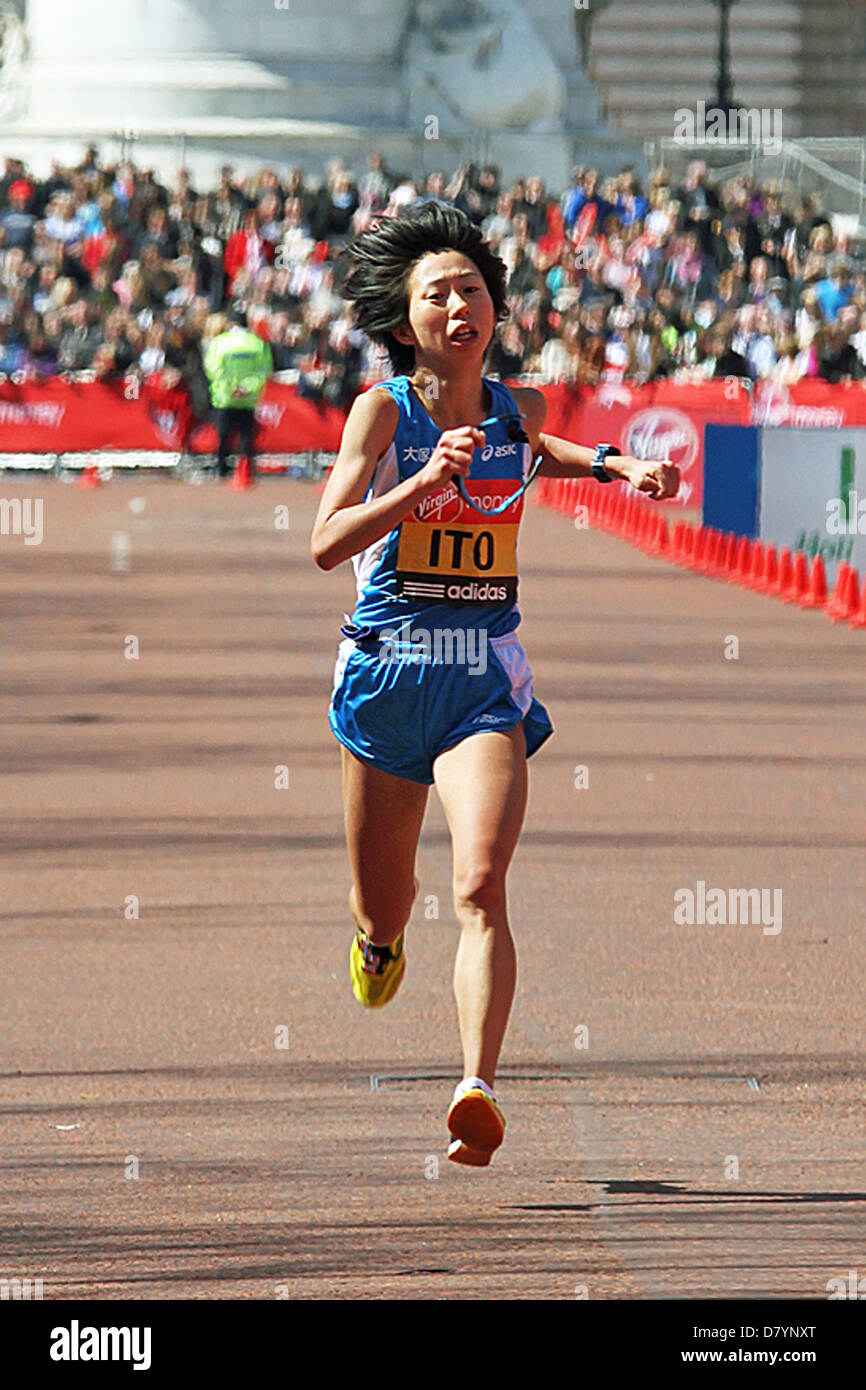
401,712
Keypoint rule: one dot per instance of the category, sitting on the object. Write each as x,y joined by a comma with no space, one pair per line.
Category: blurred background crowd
105,271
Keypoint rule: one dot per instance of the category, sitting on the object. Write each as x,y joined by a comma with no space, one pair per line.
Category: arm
562,459
345,523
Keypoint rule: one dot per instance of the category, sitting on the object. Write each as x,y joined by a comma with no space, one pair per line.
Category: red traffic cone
837,604
242,477
785,575
758,568
711,554
856,608
727,554
816,594
799,579
739,567
699,560
660,542
88,478
772,573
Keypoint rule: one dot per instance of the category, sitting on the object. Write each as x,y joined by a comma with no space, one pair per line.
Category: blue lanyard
503,506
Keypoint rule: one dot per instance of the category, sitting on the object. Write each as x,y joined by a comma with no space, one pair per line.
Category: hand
451,457
659,479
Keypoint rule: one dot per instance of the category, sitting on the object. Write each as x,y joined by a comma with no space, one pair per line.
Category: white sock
473,1083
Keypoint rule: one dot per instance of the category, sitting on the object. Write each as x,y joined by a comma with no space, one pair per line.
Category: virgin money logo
444,505
662,433
775,406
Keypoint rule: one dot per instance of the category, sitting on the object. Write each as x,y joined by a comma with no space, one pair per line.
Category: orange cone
699,555
758,568
856,608
837,604
88,478
242,477
816,594
739,567
744,562
727,543
786,573
799,579
660,542
772,574
711,554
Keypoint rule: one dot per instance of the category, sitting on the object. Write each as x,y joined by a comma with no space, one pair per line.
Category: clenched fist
658,478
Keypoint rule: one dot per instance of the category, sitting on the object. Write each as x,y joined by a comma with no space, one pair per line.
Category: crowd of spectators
105,270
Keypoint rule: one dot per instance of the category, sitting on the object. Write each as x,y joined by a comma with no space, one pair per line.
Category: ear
404,334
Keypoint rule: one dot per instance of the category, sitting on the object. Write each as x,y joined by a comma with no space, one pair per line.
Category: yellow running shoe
376,971
477,1126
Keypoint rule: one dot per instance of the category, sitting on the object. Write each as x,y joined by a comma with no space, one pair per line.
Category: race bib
450,553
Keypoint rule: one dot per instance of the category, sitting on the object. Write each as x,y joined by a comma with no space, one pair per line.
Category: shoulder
374,416
533,404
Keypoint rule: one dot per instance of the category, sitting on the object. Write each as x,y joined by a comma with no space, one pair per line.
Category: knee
479,893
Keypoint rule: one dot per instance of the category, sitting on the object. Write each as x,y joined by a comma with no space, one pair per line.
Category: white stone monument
199,82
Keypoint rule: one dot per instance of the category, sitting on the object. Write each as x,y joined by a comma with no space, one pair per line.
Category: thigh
383,815
483,786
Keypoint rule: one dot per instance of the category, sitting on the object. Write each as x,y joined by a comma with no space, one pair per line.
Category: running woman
432,685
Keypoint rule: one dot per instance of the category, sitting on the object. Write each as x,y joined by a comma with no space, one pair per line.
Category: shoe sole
478,1123
458,1152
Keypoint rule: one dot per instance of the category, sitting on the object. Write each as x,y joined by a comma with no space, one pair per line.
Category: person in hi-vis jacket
238,364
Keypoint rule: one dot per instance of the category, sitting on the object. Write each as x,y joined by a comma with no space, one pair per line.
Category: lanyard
509,502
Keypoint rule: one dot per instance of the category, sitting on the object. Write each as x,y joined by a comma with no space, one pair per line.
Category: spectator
18,221
246,250
837,356
238,365
103,268
338,200
375,186
835,292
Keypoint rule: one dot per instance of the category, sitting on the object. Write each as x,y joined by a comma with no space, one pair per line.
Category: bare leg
483,785
383,817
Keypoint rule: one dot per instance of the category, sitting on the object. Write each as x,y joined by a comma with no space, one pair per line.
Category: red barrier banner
62,416
661,420
666,419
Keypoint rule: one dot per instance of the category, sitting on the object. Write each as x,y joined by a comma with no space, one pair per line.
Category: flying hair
381,261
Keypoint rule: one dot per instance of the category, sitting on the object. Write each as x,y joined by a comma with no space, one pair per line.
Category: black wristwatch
599,472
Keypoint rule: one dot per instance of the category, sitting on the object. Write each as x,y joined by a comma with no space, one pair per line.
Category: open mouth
464,335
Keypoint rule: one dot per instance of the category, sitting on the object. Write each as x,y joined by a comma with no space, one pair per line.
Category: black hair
381,261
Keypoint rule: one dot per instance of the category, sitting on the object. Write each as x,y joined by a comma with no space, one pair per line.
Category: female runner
431,683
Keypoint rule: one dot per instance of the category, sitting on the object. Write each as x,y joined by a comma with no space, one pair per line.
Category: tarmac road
192,1105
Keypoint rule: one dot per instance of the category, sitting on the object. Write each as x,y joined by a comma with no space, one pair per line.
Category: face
451,313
